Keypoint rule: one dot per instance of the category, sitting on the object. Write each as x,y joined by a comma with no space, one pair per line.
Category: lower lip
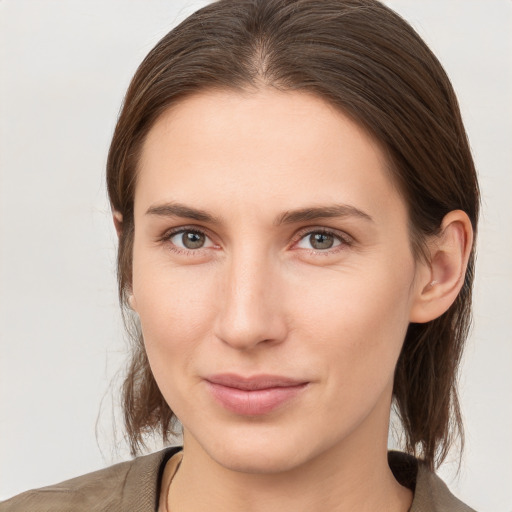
253,402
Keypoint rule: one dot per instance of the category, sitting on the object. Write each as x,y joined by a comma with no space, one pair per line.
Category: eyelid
170,233
344,238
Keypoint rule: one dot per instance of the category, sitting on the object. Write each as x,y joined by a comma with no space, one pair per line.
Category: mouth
256,395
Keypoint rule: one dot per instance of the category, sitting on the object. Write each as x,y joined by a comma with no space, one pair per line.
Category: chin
255,460
259,450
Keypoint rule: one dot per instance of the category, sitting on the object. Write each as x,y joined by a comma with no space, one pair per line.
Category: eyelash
344,240
166,238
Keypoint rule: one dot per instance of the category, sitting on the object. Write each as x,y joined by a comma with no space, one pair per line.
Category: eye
320,241
190,239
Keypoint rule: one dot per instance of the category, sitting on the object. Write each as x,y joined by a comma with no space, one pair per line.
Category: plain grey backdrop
64,67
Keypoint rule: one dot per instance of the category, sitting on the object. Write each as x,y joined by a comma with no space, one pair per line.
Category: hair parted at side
363,58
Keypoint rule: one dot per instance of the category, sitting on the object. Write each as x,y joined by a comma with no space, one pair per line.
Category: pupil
321,240
192,240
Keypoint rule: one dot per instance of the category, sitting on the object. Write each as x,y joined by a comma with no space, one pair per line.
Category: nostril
245,328
250,302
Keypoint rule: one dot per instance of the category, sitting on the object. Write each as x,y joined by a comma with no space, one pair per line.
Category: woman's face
273,277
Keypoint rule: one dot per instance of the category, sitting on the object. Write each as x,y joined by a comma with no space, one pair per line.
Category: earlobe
131,302
442,276
118,222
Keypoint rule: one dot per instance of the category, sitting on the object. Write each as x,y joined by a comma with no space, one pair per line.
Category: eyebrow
183,211
321,212
288,217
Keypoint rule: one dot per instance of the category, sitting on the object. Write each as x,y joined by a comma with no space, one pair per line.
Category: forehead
291,146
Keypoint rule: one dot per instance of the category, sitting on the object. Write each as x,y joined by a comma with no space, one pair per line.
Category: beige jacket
134,487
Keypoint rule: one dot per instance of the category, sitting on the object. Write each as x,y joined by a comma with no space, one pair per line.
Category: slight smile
251,396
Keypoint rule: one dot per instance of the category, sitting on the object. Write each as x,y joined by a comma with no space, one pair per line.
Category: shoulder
430,493
135,482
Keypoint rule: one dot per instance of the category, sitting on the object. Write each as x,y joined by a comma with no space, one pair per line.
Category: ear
118,222
440,279
132,302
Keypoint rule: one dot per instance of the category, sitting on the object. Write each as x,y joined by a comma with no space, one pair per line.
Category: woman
296,206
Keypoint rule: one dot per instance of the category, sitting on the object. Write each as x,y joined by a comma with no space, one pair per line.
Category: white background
64,67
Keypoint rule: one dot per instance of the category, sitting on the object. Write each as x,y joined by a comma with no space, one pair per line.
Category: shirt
134,486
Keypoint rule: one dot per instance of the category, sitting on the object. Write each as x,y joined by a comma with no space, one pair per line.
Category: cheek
359,352
173,315
175,307
357,320
174,319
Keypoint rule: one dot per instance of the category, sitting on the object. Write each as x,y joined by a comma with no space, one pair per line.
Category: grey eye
189,239
319,241
193,240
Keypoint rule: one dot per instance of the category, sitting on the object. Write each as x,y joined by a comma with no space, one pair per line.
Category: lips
254,395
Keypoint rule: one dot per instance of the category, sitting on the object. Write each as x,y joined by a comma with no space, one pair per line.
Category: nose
251,303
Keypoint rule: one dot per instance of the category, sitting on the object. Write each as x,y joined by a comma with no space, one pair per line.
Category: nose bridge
251,307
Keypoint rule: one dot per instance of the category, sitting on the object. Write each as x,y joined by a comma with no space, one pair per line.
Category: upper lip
254,382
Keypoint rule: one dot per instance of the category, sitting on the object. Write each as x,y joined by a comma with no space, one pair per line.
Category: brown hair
367,61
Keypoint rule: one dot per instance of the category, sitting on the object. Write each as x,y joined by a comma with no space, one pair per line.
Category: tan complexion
270,239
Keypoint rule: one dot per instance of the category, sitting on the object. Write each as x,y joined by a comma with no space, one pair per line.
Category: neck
351,477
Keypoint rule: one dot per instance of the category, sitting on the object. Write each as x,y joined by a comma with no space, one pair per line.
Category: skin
257,297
